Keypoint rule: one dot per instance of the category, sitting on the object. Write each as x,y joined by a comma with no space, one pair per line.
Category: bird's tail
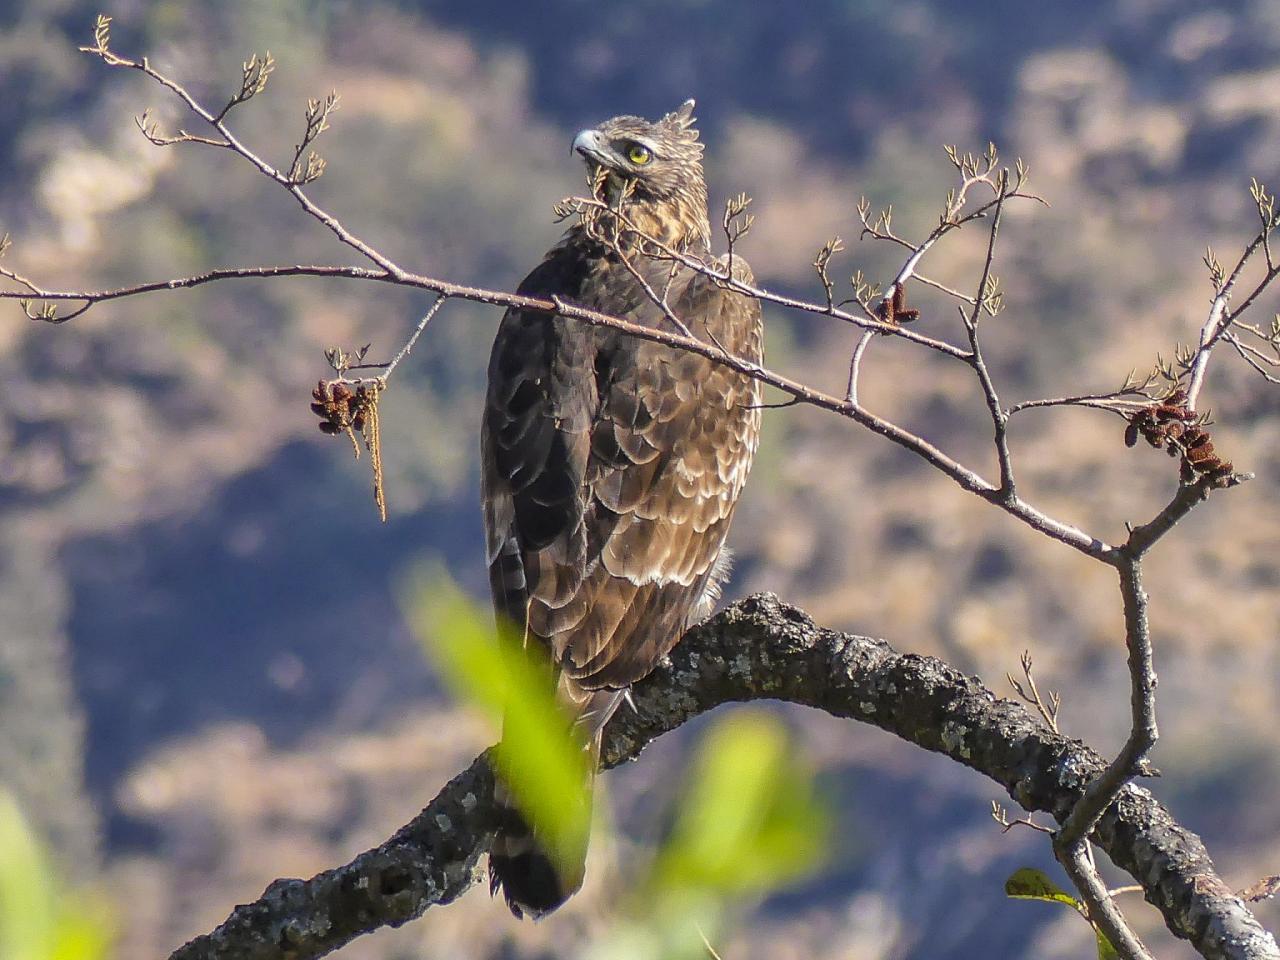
534,878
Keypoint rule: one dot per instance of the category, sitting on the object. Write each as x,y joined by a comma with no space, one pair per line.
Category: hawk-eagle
611,465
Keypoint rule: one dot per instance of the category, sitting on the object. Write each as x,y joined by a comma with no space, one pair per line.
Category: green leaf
1105,950
38,921
1029,883
540,759
26,897
749,820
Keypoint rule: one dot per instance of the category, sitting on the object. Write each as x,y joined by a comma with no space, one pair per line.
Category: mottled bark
761,648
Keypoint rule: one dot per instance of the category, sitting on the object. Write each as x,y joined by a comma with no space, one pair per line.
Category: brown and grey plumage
612,465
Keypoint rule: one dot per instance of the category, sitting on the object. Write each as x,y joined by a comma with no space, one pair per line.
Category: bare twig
1254,357
1102,909
151,130
1001,816
1220,319
855,363
1263,889
1031,694
1130,762
821,263
1098,401
312,168
986,301
660,300
725,278
91,297
417,332
256,72
101,49
942,288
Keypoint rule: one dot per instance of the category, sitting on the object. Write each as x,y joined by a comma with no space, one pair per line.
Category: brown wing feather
612,467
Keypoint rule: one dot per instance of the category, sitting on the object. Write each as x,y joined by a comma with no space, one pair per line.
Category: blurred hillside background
205,679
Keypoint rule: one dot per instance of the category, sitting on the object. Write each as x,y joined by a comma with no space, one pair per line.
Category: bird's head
661,160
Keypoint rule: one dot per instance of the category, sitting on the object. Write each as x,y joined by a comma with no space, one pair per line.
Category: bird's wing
535,441
623,461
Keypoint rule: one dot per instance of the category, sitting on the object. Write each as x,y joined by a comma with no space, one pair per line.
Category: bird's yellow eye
639,154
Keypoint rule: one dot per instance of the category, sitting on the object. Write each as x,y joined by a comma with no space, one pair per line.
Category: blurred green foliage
747,821
38,919
539,758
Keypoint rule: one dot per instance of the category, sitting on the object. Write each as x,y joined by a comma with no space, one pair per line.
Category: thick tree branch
761,648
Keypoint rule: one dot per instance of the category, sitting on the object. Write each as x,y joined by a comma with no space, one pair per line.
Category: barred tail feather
532,880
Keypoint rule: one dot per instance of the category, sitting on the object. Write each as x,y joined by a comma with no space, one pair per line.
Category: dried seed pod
1182,434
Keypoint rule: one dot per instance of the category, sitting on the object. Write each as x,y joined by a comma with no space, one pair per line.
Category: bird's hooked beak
591,146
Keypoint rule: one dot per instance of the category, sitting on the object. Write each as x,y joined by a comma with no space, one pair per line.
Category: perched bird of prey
612,464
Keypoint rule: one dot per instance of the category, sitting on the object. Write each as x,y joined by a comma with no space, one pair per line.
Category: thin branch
1130,762
1102,909
943,288
985,299
1142,538
1133,396
218,122
1261,356
1220,319
1001,816
417,332
960,474
1251,355
1031,693
855,363
151,130
91,297
658,300
781,405
725,278
1098,401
